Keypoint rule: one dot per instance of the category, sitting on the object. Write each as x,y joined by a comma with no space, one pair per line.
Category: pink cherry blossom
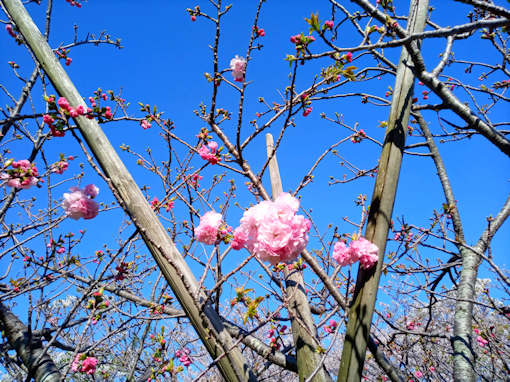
63,103
145,124
48,119
239,239
80,110
343,254
108,113
60,167
72,112
208,152
366,251
91,190
272,231
329,24
87,365
238,66
348,57
10,30
79,204
307,111
23,175
481,341
361,249
155,203
207,230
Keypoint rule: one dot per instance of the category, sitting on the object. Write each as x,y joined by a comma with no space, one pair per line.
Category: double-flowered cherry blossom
79,204
272,231
238,66
360,250
84,364
207,230
209,152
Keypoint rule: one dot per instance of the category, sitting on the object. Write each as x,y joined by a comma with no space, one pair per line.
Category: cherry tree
221,251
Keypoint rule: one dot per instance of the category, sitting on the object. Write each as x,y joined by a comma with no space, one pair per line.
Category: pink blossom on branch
209,152
145,124
84,364
89,365
79,204
343,255
207,230
23,174
59,167
10,30
272,231
307,111
91,190
238,67
361,249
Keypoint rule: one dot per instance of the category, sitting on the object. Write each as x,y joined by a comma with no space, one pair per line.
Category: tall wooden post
303,327
381,208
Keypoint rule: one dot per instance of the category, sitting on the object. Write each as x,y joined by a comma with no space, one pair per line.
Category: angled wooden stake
303,327
381,208
206,321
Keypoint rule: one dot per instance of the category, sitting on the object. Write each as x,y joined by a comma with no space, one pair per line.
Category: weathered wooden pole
206,321
303,327
381,208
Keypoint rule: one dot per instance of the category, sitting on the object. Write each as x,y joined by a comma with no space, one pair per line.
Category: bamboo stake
303,327
381,208
206,322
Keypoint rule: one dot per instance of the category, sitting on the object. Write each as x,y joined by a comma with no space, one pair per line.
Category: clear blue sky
163,61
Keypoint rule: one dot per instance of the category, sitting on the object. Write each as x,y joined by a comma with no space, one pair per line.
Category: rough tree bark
28,347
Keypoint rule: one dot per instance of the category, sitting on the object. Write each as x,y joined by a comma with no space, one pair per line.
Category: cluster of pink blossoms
210,152
22,175
11,31
54,121
62,165
63,54
331,326
238,66
272,231
183,356
361,249
84,364
209,229
79,204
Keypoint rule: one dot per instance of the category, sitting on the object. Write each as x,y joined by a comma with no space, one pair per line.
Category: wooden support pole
303,327
381,208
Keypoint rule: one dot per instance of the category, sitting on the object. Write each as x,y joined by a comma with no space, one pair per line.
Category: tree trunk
28,348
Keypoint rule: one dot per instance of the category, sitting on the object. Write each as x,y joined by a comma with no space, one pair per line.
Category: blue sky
163,62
